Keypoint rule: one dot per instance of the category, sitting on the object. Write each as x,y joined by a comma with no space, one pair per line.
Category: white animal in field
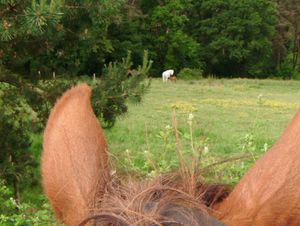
167,74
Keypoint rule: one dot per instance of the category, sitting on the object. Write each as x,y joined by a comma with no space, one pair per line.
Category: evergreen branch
119,96
21,84
3,12
75,7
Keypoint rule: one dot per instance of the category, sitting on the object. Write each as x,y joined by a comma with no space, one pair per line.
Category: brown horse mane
161,201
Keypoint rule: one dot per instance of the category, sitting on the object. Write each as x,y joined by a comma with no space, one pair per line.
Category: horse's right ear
75,166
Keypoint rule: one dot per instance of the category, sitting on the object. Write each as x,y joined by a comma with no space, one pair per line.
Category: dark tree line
253,38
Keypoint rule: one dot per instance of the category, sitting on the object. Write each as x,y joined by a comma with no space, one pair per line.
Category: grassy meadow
233,121
227,122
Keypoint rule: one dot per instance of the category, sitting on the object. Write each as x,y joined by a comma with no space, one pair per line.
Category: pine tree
44,47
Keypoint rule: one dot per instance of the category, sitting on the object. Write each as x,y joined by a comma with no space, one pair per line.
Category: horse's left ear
75,166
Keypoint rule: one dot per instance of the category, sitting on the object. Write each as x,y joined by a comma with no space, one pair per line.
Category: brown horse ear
75,166
269,192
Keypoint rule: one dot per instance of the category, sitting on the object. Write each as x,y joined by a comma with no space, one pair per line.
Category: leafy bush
16,117
190,73
111,92
25,214
296,75
286,70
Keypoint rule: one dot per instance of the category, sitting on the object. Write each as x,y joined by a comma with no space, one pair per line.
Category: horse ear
75,166
269,192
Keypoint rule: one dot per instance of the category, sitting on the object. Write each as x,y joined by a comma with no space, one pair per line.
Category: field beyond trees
231,119
225,124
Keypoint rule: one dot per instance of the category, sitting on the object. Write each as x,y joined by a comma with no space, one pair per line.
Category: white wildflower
190,118
265,147
205,150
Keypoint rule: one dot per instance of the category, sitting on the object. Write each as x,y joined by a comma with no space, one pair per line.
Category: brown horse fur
269,194
75,160
77,180
173,78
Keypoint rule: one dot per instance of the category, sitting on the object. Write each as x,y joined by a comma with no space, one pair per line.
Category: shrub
286,70
25,214
296,75
190,73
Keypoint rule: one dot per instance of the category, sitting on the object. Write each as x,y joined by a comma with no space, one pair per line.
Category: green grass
231,117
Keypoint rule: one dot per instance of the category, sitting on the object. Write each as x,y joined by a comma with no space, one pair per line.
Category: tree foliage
118,88
220,37
286,43
233,33
45,46
60,36
172,46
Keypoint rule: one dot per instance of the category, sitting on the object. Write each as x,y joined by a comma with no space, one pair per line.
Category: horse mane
161,201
